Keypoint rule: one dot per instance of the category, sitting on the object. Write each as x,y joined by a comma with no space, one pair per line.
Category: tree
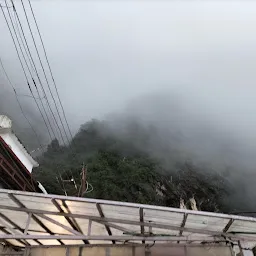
119,170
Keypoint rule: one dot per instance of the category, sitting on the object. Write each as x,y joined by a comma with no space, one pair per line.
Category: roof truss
58,220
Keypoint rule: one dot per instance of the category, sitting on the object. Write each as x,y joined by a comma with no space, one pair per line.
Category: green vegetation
120,170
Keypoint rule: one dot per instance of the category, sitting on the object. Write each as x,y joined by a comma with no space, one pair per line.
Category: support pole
142,230
102,216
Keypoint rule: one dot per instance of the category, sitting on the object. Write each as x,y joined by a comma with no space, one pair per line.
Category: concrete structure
122,250
126,250
16,164
14,143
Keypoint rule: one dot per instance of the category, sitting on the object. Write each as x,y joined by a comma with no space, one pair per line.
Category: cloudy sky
106,53
188,65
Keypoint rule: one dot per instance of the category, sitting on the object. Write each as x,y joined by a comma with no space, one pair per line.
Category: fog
187,67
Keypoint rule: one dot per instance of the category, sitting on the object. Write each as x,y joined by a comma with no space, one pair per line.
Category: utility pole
83,188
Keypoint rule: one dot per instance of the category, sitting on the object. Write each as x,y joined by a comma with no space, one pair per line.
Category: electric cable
29,55
15,33
24,71
17,99
24,9
50,68
33,66
16,15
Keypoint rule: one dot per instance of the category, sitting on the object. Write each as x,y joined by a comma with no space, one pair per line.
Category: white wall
11,140
132,251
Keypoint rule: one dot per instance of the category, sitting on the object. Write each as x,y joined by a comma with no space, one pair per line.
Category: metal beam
60,224
40,223
231,221
15,225
131,205
72,222
102,216
61,210
11,175
142,230
89,228
122,221
25,243
11,222
183,222
12,253
111,225
240,249
3,179
107,238
27,224
18,166
26,252
8,168
13,231
134,244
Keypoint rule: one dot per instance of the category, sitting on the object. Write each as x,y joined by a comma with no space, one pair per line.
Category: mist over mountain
166,129
171,85
178,128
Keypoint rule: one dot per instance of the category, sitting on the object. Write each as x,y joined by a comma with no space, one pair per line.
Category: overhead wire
30,59
51,73
73,179
56,88
26,95
15,33
22,39
19,26
20,106
22,66
47,82
33,66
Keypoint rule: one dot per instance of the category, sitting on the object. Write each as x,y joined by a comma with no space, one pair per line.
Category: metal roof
32,219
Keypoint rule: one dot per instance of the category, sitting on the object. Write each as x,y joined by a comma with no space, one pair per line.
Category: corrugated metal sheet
60,220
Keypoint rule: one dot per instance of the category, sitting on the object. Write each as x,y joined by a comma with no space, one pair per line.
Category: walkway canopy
32,219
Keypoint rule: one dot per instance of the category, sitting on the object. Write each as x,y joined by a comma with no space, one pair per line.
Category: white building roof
6,128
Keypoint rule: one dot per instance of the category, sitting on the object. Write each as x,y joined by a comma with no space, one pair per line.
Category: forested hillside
122,168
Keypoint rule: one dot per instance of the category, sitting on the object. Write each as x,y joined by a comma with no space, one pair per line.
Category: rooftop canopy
32,219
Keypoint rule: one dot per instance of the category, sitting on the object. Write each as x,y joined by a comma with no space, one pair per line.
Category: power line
15,33
17,99
32,64
24,70
30,58
35,70
50,68
47,117
44,71
22,40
